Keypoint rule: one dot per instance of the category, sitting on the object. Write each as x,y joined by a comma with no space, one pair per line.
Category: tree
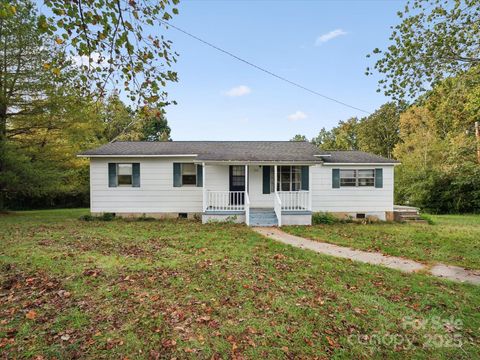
379,132
22,79
435,39
115,43
439,170
299,137
153,125
325,140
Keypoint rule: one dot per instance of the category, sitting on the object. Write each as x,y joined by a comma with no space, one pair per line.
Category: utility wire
262,69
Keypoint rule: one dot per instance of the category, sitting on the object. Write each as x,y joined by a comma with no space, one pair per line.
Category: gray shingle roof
235,151
354,156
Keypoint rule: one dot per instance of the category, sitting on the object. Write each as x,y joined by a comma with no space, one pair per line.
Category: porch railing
225,200
295,200
247,209
277,206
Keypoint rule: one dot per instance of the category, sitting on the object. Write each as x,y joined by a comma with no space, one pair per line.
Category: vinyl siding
155,194
350,199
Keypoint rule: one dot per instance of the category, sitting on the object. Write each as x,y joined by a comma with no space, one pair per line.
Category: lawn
165,289
452,239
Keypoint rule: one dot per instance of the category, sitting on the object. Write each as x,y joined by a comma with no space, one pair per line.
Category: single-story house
256,182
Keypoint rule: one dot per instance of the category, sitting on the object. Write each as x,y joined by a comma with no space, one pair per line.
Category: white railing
225,200
295,200
278,208
247,209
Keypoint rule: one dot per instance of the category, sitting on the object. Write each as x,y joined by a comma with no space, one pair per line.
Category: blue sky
220,98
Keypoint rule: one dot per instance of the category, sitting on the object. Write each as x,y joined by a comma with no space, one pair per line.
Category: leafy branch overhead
117,44
434,40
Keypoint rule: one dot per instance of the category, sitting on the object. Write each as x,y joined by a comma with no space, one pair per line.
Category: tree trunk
3,139
477,135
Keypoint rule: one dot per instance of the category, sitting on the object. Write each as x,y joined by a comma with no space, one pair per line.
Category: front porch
257,194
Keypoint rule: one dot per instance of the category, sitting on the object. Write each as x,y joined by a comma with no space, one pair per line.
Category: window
124,175
289,178
189,174
348,178
364,177
238,176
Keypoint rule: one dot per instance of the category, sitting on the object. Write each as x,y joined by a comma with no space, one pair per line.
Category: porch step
407,214
263,217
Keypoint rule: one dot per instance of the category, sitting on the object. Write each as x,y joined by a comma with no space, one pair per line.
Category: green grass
166,289
452,239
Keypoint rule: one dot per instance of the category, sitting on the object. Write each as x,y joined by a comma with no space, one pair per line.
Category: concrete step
263,217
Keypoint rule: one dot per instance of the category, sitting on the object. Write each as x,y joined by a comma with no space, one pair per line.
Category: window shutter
112,175
266,179
136,174
177,174
379,178
335,178
199,175
305,179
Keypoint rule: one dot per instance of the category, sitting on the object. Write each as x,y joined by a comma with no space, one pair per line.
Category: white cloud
297,115
329,36
94,58
240,90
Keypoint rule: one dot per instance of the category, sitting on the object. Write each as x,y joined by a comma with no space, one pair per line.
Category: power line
262,69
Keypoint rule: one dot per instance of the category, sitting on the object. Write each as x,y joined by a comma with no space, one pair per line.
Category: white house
257,182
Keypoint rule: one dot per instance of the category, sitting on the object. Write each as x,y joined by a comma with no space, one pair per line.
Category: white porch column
310,188
204,188
246,178
275,178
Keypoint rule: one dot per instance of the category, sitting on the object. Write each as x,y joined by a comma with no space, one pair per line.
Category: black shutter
305,178
379,178
335,178
266,179
136,174
177,174
112,175
199,175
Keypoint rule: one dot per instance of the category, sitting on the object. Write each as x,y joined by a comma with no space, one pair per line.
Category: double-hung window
363,177
124,175
189,174
289,178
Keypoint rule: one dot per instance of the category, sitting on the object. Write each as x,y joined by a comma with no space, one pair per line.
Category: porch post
204,189
246,178
275,178
310,188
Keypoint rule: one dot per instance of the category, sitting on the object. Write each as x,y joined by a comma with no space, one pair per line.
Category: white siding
155,194
257,197
350,199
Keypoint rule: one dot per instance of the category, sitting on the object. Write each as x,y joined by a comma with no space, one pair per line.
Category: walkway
450,272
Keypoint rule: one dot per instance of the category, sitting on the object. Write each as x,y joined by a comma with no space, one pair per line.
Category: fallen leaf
31,315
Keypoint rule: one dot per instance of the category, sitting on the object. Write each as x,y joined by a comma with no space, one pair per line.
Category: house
256,182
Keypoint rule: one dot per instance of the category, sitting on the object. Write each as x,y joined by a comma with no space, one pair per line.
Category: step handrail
278,208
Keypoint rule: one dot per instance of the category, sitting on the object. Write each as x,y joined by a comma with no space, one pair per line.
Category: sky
320,44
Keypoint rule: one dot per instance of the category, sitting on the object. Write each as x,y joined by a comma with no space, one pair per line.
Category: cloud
297,115
329,36
240,90
95,59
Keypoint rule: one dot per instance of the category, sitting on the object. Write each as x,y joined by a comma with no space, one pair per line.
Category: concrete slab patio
375,258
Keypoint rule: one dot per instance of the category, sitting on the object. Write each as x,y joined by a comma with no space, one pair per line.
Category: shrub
427,218
87,217
107,216
323,218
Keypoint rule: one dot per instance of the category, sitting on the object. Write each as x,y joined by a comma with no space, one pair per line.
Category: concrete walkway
440,270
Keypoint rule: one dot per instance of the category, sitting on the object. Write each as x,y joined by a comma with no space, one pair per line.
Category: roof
355,157
261,151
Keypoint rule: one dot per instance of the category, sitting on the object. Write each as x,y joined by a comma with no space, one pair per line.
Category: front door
237,183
